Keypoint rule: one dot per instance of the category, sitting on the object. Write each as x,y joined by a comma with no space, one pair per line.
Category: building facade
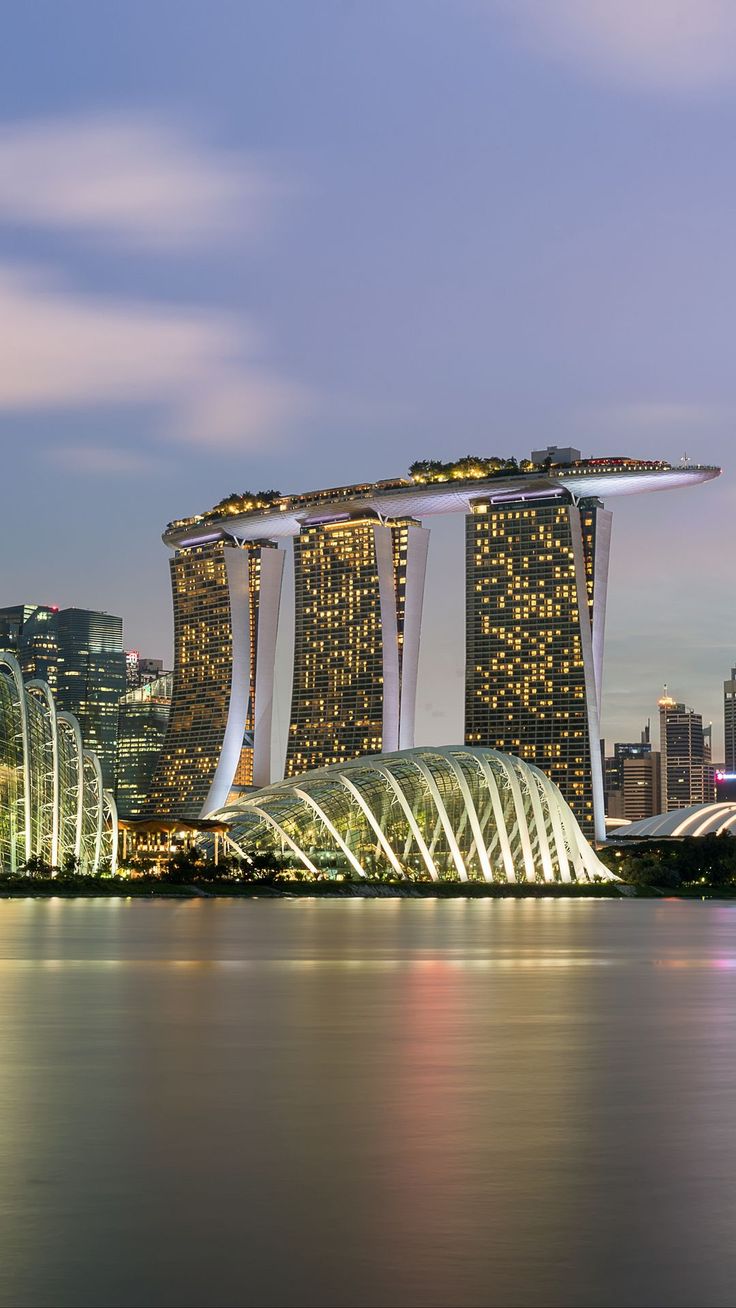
683,756
359,588
226,599
536,580
143,716
729,721
79,653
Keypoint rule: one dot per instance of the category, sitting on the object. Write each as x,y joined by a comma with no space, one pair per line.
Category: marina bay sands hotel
537,549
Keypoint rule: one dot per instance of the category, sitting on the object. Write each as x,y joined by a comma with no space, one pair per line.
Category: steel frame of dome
52,801
697,820
456,812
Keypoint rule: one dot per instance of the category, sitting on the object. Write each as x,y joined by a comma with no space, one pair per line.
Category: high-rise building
226,600
536,573
729,721
143,715
641,786
359,588
29,632
682,750
139,670
79,652
90,678
613,773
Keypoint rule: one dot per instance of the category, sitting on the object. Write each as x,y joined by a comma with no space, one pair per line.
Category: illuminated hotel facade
226,600
537,544
359,587
536,577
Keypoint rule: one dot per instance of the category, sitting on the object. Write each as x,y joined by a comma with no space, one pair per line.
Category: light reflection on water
367,1102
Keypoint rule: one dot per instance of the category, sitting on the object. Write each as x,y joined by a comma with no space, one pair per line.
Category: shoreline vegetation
123,887
690,868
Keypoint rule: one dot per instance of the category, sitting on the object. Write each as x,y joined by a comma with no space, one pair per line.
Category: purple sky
301,244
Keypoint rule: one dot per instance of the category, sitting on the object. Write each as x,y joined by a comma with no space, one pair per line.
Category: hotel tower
226,599
359,587
537,546
536,576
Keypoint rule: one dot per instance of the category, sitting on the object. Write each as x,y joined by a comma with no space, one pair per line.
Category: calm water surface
367,1103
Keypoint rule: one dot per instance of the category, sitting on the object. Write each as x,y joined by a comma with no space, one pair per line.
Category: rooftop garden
471,465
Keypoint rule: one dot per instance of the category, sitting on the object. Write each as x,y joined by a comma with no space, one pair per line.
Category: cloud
672,46
203,369
134,180
102,460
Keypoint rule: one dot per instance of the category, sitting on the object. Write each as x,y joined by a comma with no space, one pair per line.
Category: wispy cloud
676,46
135,180
99,460
60,349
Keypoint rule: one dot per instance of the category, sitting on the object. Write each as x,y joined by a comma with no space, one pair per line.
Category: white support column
316,808
11,663
421,846
416,571
591,690
473,816
374,824
237,568
383,544
503,836
43,691
263,813
76,734
95,764
457,857
269,601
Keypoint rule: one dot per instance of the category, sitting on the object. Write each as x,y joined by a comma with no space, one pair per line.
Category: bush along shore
703,868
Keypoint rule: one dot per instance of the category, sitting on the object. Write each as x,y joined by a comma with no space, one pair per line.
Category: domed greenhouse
53,808
458,812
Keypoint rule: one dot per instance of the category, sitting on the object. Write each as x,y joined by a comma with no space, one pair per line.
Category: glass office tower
79,653
226,600
359,587
143,716
536,583
729,721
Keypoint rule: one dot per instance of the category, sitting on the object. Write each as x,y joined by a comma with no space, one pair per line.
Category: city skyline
308,277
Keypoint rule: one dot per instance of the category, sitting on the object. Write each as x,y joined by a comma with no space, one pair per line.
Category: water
367,1103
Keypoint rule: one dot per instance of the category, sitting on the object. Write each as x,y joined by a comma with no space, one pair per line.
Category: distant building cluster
79,654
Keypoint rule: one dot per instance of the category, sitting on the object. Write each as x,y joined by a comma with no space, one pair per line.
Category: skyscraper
683,760
79,652
90,678
536,578
729,721
143,715
359,588
226,600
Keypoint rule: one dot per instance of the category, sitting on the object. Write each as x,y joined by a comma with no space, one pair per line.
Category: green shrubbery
695,862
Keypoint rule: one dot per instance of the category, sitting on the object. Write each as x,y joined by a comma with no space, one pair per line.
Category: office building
143,716
536,575
729,722
683,756
226,601
640,786
359,588
79,653
139,670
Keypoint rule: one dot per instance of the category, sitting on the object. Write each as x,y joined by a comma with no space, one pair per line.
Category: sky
301,244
